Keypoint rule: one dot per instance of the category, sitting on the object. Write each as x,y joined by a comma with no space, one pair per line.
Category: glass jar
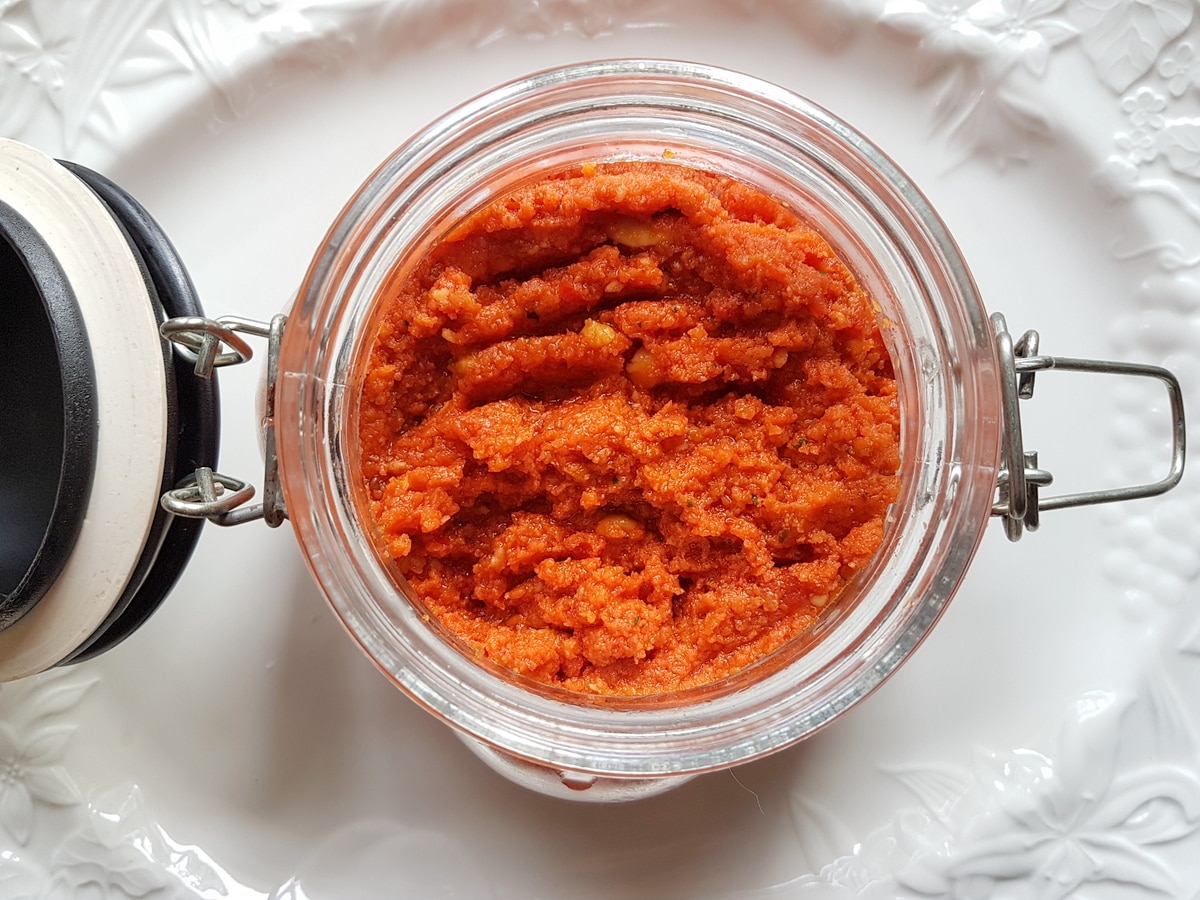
943,351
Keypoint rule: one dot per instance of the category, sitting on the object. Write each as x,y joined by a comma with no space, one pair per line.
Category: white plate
1041,743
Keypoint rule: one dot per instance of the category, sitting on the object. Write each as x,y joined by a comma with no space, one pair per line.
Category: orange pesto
628,428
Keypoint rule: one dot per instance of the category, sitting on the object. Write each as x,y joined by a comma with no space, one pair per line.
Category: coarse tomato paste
628,428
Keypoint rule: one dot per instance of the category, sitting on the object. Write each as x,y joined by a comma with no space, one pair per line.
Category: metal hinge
210,344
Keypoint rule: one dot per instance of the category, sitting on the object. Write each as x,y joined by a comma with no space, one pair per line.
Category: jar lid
97,418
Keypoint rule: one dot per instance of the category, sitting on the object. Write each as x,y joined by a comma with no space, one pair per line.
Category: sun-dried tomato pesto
628,428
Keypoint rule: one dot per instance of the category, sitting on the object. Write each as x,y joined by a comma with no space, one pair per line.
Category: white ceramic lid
110,289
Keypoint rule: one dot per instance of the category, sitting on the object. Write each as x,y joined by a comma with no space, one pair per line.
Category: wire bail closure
1019,483
205,494
214,343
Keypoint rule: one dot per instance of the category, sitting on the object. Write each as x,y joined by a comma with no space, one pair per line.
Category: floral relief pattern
1181,68
1147,54
1153,135
1095,812
110,845
1057,823
34,736
120,851
1124,37
62,92
30,772
975,54
1089,813
982,58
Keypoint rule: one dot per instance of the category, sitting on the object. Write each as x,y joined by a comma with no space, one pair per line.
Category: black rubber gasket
194,415
48,417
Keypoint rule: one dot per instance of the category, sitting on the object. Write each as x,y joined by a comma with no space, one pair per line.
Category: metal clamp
199,340
1018,486
207,494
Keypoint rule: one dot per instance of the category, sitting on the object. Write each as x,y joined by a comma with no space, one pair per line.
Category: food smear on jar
629,428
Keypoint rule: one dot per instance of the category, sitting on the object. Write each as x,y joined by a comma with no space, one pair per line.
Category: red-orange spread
628,428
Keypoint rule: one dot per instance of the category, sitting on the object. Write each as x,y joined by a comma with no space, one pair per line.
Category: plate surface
1041,743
